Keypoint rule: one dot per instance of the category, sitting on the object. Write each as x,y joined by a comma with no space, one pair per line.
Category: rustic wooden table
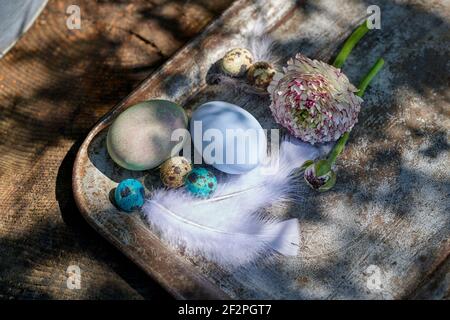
54,85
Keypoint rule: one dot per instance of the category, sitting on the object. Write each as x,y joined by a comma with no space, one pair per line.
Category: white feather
229,228
260,44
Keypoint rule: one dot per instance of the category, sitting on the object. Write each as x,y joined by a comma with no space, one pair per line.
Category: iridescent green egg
140,138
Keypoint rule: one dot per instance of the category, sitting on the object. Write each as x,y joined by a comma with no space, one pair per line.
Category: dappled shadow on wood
375,175
55,84
376,189
90,241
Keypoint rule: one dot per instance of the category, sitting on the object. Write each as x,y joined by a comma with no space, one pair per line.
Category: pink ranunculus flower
313,100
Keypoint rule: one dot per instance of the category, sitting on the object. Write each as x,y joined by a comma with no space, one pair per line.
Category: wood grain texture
95,175
54,85
389,209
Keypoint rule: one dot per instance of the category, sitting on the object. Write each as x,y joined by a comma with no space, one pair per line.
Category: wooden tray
348,234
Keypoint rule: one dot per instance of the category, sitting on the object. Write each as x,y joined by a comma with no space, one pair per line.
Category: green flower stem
338,148
340,144
350,43
369,76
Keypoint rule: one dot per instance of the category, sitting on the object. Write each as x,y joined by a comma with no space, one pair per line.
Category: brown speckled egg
174,170
236,62
260,74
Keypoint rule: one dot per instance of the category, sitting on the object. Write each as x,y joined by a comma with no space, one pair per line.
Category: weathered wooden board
383,231
55,84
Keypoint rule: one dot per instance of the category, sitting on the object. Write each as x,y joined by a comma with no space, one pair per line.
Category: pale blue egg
228,137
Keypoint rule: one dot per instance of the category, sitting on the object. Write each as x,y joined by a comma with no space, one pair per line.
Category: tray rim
207,289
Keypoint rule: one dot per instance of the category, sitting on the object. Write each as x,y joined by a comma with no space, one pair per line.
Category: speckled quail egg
173,171
236,62
260,74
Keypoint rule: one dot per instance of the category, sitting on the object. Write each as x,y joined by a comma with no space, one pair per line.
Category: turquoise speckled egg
129,195
201,182
140,137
